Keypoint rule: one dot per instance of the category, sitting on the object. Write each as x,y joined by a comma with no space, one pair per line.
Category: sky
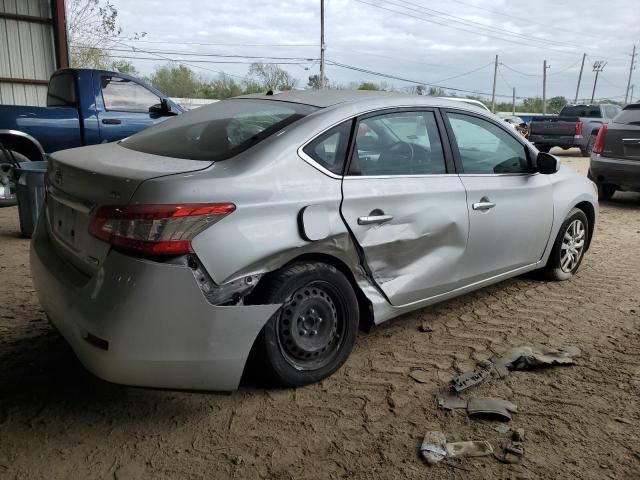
451,43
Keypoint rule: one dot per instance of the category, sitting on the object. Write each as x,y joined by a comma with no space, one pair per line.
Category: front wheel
568,249
543,148
313,333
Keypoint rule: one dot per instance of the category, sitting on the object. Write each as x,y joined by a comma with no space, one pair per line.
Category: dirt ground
57,421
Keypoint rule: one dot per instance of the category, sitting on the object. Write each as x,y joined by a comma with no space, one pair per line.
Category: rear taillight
579,128
599,145
155,229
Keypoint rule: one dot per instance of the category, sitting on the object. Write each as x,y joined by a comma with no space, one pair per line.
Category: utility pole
633,65
631,99
513,108
322,46
598,66
584,57
544,88
493,95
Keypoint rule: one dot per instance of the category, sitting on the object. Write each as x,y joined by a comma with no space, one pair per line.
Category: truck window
123,95
585,111
62,90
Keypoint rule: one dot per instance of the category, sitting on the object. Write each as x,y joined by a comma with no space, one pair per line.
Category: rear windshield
219,131
629,116
581,111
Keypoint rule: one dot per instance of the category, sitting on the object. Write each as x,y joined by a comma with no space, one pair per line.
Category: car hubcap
7,185
311,326
572,246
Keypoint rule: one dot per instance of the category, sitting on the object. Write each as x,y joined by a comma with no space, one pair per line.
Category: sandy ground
366,421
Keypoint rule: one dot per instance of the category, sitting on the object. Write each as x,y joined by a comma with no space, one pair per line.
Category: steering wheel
403,149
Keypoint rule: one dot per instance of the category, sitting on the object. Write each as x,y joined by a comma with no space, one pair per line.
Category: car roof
331,98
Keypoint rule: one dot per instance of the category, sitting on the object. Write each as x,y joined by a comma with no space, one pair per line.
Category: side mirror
162,108
547,164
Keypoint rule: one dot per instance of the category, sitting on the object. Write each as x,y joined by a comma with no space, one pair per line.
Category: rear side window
329,150
629,116
587,111
62,90
218,131
123,95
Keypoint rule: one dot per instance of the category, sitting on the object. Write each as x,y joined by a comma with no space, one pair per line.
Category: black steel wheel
314,331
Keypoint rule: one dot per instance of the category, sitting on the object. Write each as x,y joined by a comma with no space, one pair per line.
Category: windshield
218,131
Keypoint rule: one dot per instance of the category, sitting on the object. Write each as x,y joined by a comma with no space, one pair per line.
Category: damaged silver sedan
278,224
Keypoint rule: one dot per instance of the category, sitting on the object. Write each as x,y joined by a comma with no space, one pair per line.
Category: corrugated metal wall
26,51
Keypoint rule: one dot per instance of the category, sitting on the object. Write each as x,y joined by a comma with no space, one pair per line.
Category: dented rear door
405,206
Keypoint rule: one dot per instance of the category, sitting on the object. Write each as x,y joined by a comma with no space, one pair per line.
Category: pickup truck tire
586,151
569,247
543,148
8,196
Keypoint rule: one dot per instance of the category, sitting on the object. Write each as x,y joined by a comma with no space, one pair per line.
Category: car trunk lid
81,179
622,141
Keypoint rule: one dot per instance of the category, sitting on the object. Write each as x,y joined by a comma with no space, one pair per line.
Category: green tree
175,81
124,66
556,104
314,81
369,86
272,77
437,92
92,28
532,105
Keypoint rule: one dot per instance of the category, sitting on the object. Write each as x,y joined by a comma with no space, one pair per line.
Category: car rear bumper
559,141
625,174
143,323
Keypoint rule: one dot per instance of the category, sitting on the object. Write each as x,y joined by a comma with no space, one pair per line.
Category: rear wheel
8,195
568,249
606,191
313,333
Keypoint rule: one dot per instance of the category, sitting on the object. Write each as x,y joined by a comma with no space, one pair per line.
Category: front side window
217,131
330,149
402,143
123,95
485,148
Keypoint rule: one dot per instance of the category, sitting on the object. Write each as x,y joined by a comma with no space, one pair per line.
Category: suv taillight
579,128
599,145
155,229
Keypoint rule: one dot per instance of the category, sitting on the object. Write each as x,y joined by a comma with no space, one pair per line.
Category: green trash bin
30,193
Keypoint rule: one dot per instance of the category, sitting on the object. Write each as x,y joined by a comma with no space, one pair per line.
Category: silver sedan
277,225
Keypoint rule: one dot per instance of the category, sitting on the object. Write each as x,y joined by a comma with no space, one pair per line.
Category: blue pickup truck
84,107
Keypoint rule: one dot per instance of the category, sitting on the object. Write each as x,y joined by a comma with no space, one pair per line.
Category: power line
173,42
479,25
458,28
226,62
519,72
198,54
415,82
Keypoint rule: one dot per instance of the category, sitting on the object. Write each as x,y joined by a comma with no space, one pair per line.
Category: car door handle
483,205
373,219
111,121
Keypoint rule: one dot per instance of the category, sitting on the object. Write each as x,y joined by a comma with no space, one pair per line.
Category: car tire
7,179
606,191
314,332
559,266
544,148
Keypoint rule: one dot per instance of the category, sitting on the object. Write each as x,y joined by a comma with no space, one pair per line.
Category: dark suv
615,160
